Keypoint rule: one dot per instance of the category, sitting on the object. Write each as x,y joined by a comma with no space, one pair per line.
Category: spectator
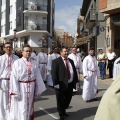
101,57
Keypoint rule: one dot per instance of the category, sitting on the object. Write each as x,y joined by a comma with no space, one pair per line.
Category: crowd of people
23,76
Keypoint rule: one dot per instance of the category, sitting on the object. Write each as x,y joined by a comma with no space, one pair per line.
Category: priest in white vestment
42,60
77,62
33,56
116,68
25,83
6,62
90,73
53,56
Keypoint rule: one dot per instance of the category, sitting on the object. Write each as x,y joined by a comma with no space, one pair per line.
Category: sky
66,13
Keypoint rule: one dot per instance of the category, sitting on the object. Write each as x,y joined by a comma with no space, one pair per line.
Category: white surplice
78,64
49,65
91,71
116,68
24,86
42,60
33,56
6,63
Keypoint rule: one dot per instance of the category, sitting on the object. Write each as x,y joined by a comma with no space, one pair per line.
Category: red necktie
67,67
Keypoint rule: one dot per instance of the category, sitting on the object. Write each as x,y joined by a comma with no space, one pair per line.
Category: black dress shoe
66,114
61,117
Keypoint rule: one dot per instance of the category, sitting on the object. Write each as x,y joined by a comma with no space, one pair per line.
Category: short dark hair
63,48
100,49
27,46
7,43
74,47
92,48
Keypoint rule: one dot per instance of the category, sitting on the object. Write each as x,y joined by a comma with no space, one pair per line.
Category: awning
84,40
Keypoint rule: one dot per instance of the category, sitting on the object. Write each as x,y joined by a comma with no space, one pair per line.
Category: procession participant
25,83
77,61
111,58
116,68
53,56
6,62
42,60
90,73
65,78
33,56
110,104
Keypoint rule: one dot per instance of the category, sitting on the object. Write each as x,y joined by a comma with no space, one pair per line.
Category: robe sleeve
14,84
85,71
40,86
49,63
38,60
115,70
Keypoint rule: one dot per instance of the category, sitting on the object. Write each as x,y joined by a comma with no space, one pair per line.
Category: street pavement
45,106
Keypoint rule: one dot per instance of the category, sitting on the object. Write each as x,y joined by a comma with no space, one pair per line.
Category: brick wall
102,4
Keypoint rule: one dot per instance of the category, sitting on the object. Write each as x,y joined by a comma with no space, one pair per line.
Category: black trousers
110,66
64,98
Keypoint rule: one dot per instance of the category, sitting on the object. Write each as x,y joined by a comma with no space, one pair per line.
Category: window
4,28
3,14
1,29
44,20
11,25
3,2
11,9
15,23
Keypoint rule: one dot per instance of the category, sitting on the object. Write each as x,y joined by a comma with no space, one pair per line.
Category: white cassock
78,64
33,56
6,63
49,65
91,71
116,68
25,83
42,60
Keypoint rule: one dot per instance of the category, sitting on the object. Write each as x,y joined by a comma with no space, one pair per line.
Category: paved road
45,106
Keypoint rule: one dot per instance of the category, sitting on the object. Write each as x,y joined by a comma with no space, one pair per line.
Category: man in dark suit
64,78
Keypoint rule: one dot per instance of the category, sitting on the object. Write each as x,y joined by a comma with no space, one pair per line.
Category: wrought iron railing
35,7
35,27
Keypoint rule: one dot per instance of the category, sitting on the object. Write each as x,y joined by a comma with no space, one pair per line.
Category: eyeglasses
8,47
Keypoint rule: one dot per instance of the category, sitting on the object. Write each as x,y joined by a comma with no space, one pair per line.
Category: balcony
109,6
35,8
35,27
90,19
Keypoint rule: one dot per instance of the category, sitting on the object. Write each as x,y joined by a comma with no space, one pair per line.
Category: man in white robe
6,62
25,83
33,56
42,60
90,73
77,62
53,56
116,67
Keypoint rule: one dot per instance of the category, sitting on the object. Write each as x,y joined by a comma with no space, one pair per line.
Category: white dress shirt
71,72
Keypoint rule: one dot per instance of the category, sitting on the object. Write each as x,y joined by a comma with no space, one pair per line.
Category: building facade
27,22
112,9
93,30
